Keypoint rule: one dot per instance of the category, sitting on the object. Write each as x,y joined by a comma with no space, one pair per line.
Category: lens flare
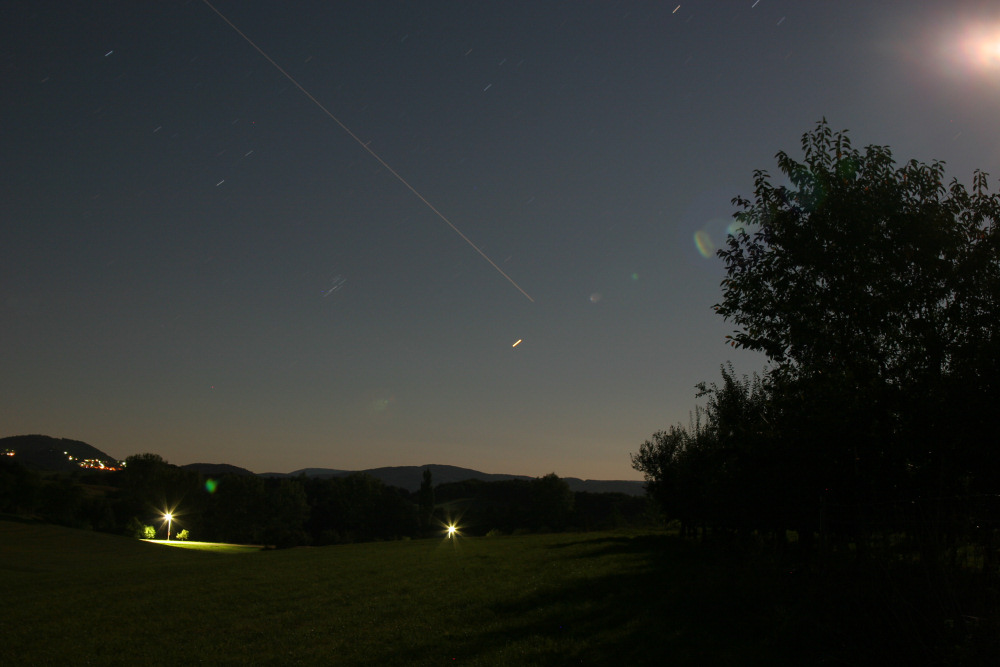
735,227
703,241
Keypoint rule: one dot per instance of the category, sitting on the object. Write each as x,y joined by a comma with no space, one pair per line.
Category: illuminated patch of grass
211,547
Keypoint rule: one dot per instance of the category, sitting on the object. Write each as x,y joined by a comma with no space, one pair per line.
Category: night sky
197,261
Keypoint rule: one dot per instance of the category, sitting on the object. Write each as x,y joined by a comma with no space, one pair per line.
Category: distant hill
311,472
42,452
410,477
217,469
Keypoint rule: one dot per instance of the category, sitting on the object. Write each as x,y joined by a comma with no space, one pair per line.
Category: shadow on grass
668,601
856,613
662,601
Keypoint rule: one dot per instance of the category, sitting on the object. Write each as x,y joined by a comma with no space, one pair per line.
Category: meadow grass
616,598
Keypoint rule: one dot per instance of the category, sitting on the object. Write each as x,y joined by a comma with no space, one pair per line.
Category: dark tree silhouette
426,499
551,502
358,508
719,471
251,509
664,461
875,291
19,487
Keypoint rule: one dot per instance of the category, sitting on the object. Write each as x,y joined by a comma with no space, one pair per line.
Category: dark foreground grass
76,597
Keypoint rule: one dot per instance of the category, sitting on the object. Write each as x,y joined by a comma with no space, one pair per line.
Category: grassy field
78,597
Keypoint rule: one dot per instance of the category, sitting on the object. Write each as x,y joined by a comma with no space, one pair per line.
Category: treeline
874,291
544,504
285,512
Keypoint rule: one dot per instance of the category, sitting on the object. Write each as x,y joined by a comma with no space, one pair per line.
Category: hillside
216,469
42,452
410,477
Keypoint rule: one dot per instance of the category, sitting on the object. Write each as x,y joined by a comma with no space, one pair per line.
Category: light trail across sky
369,150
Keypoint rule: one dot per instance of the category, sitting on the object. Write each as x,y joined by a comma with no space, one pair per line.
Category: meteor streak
369,150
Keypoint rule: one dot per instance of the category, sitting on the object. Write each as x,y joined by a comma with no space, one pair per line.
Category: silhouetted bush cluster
544,504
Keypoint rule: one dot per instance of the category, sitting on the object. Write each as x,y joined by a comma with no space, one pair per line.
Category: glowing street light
168,516
451,530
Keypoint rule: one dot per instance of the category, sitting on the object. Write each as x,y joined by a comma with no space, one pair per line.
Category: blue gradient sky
196,261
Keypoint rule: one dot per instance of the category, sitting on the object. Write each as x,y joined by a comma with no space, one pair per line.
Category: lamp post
168,516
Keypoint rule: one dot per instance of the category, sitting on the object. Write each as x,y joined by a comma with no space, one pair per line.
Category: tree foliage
19,487
255,510
551,502
714,471
426,499
874,290
358,508
862,266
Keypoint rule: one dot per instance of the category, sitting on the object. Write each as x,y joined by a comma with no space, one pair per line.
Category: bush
139,531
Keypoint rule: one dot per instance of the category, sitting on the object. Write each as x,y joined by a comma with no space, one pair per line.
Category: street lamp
168,516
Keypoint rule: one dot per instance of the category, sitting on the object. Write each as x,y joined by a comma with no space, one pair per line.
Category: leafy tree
552,502
607,510
850,267
358,507
183,535
251,509
19,487
693,473
661,461
62,502
426,499
100,513
735,442
134,528
875,291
